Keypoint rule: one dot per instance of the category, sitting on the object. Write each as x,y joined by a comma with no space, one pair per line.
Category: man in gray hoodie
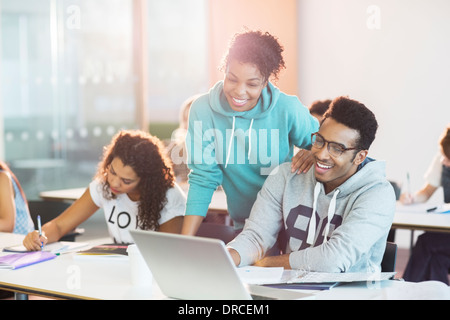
352,201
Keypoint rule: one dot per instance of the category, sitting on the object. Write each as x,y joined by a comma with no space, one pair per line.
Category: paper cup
140,273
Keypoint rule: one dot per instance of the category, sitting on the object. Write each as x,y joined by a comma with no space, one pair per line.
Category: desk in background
218,202
415,217
62,195
406,217
67,278
436,222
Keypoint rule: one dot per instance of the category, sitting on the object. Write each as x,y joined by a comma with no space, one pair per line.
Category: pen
431,209
40,229
408,181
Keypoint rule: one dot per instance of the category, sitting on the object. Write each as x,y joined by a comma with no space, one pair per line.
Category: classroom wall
277,17
391,55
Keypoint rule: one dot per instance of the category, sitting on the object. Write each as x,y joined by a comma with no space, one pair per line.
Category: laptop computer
197,268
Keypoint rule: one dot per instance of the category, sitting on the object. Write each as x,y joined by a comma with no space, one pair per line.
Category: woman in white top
437,175
134,185
430,258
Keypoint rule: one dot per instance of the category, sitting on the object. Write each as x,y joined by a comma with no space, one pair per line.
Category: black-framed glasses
334,149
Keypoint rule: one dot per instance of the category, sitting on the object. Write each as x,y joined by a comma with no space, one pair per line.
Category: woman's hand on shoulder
302,161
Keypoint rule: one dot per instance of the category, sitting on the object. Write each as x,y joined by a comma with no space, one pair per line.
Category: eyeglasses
334,149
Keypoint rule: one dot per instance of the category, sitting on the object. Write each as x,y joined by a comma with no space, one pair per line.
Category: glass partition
71,77
67,87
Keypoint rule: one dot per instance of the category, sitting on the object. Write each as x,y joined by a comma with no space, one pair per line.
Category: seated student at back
338,215
135,187
14,213
430,258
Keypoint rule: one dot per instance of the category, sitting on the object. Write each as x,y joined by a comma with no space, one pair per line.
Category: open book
55,247
278,277
318,277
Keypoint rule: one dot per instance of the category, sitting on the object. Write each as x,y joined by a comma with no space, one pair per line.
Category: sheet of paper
424,208
260,275
10,239
56,247
318,277
445,208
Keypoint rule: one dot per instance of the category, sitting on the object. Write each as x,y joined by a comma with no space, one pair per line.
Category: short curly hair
258,48
355,115
145,154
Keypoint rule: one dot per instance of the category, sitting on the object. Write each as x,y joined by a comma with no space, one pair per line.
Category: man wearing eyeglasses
336,216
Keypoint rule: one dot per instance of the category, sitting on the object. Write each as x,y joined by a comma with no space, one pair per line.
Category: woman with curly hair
134,186
242,129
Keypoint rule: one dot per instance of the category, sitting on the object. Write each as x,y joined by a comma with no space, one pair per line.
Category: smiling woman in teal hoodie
242,129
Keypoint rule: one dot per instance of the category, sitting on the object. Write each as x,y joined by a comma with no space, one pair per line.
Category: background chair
389,258
217,231
48,210
397,191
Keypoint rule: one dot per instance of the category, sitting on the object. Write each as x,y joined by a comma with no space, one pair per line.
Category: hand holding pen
407,197
40,230
36,240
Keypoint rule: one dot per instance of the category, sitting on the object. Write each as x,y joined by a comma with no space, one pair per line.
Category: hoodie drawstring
232,138
250,139
230,143
312,222
331,211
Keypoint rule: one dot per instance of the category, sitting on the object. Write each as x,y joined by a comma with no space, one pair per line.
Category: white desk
63,194
415,217
218,201
67,278
406,217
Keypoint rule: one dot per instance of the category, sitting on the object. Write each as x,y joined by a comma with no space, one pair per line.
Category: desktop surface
66,277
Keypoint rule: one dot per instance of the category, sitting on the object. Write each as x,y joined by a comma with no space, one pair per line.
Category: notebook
20,260
55,247
109,252
197,268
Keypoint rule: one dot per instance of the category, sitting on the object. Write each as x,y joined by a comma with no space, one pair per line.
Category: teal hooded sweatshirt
238,150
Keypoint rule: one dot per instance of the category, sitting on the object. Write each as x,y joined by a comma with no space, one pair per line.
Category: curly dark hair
145,154
258,48
445,141
355,115
320,106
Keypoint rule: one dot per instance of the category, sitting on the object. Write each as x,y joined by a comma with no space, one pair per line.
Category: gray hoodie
356,217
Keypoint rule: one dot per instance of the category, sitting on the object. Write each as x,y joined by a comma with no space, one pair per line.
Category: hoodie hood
369,173
266,102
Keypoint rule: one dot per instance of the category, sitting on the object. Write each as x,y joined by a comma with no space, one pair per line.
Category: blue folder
20,260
